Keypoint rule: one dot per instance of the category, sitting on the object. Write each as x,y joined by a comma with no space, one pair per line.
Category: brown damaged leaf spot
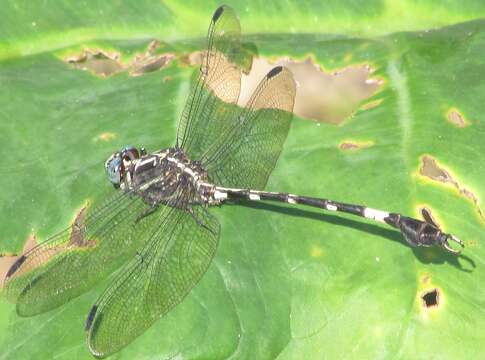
7,260
355,145
322,96
150,61
97,61
194,58
349,146
78,230
225,65
431,298
77,236
456,118
76,240
425,279
104,64
152,46
150,64
329,97
432,170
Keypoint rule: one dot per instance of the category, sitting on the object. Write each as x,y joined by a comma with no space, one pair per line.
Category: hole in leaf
7,260
104,63
74,239
97,61
329,97
432,170
431,298
456,118
324,96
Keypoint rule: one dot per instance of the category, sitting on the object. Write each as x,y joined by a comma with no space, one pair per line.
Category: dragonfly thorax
156,177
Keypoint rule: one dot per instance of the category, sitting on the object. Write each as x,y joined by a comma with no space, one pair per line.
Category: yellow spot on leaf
355,145
316,251
106,136
348,57
371,104
473,243
378,331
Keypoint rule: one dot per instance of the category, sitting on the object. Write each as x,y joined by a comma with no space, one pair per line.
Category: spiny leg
416,232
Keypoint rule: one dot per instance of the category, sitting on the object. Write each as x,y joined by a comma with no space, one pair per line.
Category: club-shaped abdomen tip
274,71
218,13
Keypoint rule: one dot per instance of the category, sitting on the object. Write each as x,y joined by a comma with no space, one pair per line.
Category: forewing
216,84
246,155
156,280
71,262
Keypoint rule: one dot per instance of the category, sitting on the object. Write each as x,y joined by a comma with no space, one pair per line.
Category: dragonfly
155,231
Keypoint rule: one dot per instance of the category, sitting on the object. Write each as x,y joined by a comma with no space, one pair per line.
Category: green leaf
286,282
32,27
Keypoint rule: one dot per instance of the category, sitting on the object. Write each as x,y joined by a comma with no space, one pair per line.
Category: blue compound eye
113,168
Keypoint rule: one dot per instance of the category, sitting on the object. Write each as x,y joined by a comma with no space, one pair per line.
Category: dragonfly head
119,162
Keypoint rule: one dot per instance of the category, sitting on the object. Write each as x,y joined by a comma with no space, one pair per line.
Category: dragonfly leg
146,212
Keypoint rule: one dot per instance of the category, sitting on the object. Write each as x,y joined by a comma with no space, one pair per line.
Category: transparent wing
155,281
71,262
217,83
246,154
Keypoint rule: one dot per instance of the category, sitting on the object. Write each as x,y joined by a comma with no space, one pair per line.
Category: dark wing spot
218,13
274,71
89,320
16,265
